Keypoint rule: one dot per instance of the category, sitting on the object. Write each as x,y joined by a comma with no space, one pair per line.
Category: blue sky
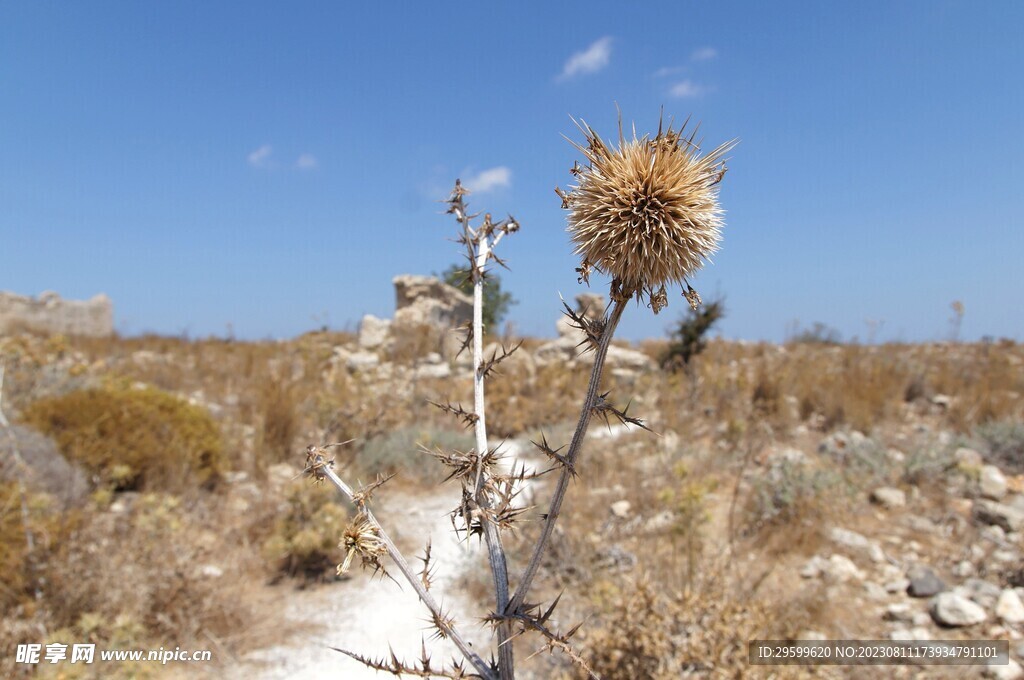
270,169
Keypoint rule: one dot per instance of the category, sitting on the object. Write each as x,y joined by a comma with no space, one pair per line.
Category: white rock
813,567
897,586
967,457
899,611
895,455
374,333
211,571
662,520
360,361
875,591
921,619
854,541
432,371
630,359
621,509
950,609
1011,671
992,482
841,569
917,633
1005,516
980,591
888,497
963,569
1009,607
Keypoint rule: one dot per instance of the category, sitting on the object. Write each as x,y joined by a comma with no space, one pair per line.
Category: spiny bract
646,213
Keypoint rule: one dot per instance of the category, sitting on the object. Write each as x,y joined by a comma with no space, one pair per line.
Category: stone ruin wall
49,313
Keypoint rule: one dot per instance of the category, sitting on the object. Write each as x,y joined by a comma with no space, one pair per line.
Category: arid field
803,490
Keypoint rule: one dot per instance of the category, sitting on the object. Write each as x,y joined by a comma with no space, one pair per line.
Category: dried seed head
646,213
362,537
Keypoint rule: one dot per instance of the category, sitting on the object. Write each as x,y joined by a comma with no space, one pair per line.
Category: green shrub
791,491
133,439
496,301
688,338
401,451
1005,443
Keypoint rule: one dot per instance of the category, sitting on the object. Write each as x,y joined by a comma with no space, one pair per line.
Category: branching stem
571,455
479,249
403,566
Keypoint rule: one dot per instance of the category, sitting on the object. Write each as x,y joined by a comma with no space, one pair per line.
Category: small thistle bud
646,213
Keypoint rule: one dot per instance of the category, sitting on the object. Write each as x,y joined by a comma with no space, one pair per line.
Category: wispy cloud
669,71
686,89
306,161
260,158
704,54
590,60
487,180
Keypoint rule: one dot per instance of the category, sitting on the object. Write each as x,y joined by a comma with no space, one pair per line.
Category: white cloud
668,71
704,54
486,180
260,158
686,88
306,161
590,60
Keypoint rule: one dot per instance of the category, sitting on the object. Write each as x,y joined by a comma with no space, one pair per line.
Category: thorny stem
571,455
495,550
448,629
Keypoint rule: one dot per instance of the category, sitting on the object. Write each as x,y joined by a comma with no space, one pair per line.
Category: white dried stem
479,249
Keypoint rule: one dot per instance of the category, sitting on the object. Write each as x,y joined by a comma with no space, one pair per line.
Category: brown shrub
133,439
304,540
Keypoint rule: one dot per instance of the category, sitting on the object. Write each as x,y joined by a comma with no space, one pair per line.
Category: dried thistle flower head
646,213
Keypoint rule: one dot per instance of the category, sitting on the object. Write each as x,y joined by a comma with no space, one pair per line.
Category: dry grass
267,400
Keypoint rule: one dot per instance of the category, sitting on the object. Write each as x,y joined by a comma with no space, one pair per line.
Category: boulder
361,361
40,465
858,544
519,365
374,333
1007,517
428,301
840,569
1011,671
950,609
1009,607
923,582
889,497
426,312
628,359
992,482
620,509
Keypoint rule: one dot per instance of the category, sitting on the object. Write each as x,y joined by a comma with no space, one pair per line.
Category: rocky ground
833,492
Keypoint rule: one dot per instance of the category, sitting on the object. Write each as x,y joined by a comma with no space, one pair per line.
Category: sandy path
366,615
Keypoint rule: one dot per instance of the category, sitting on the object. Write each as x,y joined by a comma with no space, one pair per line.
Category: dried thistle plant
647,213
